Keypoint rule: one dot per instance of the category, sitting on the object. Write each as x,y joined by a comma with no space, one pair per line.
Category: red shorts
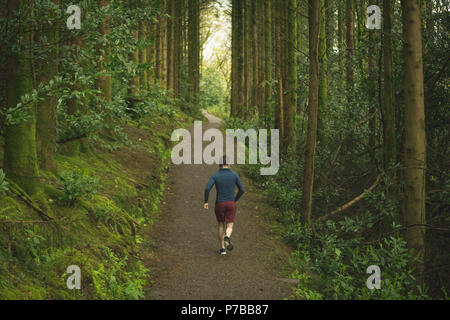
225,211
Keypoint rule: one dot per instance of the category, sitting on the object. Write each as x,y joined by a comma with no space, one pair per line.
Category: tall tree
170,57
143,54
237,58
255,64
323,77
247,65
104,80
48,37
350,45
268,60
308,181
20,156
290,101
372,80
340,37
135,81
159,46
279,110
415,140
194,50
262,59
388,95
178,46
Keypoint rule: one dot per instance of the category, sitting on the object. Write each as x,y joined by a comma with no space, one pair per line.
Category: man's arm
240,187
208,188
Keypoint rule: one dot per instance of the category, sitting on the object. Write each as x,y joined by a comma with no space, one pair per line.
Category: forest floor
182,246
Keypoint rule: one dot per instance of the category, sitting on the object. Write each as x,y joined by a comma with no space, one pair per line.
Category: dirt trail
186,263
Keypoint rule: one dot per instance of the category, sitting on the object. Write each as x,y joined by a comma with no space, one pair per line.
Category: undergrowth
101,208
331,259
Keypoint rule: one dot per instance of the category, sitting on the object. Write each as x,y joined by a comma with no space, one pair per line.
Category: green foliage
339,258
33,242
331,262
112,281
213,93
3,183
77,185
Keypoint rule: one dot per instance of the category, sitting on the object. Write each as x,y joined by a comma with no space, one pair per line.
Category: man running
225,209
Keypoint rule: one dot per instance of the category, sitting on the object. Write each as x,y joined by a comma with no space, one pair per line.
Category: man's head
224,163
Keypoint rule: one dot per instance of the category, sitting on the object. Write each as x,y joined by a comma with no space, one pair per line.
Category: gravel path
186,263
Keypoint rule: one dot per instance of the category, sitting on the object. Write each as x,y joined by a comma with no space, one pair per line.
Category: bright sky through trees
218,33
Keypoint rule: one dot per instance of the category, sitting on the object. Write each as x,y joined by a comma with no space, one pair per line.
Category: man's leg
229,229
221,234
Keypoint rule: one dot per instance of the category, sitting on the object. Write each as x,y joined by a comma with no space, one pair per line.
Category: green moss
100,235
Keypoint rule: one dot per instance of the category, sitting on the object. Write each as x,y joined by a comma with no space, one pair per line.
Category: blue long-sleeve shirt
225,180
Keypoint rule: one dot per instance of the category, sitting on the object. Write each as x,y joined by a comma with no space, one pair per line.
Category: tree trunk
268,61
20,157
255,82
237,59
104,81
350,47
247,84
415,140
262,61
170,44
178,47
194,50
323,78
372,91
341,38
388,99
135,81
290,101
279,111
46,110
143,55
308,182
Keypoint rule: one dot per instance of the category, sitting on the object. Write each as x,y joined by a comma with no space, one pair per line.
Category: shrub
112,281
77,185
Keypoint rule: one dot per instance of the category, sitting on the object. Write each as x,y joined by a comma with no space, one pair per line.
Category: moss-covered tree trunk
20,155
48,38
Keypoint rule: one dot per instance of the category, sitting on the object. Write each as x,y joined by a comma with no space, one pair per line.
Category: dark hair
223,161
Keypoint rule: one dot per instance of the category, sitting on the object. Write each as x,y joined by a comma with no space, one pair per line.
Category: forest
91,91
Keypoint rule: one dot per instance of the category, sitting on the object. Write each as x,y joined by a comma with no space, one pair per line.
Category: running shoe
223,251
228,243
